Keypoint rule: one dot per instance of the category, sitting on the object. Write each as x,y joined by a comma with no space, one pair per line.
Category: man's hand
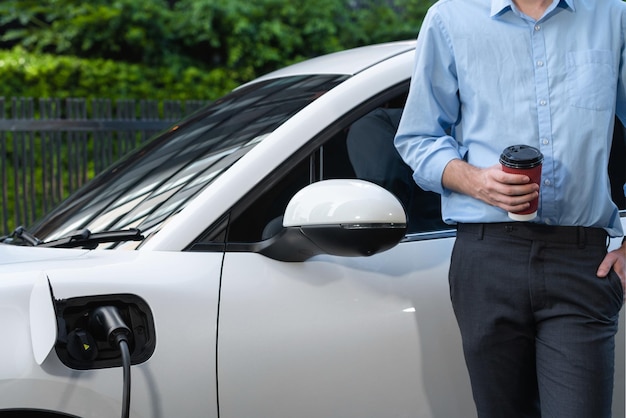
616,260
511,192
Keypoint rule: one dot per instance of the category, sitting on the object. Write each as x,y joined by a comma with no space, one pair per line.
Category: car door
335,336
338,336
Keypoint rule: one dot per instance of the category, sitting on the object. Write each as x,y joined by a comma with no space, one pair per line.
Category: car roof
348,62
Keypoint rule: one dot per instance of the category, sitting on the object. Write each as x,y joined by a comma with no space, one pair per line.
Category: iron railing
50,147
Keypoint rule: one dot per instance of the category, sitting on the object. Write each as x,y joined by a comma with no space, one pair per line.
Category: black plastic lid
521,156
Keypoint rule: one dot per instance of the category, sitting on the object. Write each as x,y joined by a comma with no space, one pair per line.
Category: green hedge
180,49
26,74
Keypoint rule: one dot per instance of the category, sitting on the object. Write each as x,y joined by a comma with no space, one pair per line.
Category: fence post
51,178
23,162
103,140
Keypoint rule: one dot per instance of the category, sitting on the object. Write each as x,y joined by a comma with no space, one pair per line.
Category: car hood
11,254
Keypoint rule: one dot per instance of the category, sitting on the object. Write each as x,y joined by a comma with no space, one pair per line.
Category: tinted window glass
158,180
375,158
362,149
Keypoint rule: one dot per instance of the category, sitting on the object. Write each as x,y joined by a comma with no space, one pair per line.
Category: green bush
26,74
124,30
246,37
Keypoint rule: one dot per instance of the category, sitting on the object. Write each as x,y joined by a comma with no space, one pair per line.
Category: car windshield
160,178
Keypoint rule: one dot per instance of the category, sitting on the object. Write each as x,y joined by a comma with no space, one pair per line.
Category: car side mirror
338,217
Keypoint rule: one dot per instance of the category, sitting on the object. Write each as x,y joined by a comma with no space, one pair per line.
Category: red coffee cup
523,159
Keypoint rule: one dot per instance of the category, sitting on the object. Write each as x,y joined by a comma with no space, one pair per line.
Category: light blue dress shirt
487,76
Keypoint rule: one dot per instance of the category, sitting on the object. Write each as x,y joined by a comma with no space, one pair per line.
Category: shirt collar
500,6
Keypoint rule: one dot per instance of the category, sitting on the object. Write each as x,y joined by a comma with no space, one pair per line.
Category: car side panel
342,337
178,380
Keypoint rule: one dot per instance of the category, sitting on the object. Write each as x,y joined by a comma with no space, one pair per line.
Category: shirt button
537,28
539,63
546,182
545,141
543,102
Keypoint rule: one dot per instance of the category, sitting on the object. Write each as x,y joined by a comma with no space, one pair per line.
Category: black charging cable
107,322
123,344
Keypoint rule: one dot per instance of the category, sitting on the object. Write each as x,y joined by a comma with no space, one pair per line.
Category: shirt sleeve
425,134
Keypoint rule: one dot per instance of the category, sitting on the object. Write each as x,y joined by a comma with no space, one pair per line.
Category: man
537,302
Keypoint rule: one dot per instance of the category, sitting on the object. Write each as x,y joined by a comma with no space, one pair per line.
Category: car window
159,179
361,148
358,148
374,157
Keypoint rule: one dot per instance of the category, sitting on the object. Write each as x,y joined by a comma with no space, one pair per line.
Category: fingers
511,192
616,260
606,265
507,178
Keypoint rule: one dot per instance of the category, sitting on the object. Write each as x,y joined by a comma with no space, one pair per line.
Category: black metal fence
50,147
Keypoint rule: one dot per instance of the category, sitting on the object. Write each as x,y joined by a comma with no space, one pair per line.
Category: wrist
459,176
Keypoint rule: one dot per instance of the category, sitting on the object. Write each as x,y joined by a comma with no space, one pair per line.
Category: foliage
248,37
126,30
43,75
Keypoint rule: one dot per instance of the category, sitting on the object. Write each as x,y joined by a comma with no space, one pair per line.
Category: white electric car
267,257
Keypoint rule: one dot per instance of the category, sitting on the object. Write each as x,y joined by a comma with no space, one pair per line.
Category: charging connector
105,331
106,321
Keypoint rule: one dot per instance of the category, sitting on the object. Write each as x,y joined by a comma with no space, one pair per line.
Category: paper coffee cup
523,159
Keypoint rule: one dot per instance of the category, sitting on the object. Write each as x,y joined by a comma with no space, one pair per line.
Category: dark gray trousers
538,326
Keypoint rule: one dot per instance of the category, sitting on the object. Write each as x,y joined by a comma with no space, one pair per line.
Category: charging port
83,345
